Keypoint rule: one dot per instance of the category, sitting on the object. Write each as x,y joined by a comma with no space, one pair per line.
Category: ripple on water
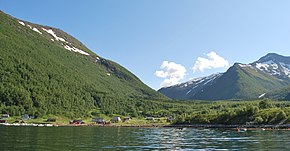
94,138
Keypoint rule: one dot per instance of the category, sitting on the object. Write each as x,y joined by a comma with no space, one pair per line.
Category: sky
166,42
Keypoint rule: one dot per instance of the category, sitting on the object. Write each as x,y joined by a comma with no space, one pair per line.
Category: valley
46,73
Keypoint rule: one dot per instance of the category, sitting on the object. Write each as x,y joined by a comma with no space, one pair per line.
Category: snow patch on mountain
274,68
262,95
191,89
286,68
194,80
97,59
208,80
262,66
22,23
36,30
70,48
203,79
51,32
198,82
74,49
244,65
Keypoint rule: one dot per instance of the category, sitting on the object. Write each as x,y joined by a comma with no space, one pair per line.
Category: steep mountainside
241,81
188,89
274,64
281,94
46,71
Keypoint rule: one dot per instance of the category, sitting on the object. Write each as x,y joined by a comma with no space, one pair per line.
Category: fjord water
111,138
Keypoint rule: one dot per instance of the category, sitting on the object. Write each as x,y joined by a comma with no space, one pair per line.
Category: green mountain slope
241,82
46,71
281,94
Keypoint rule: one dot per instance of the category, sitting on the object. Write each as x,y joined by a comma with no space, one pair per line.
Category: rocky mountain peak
275,58
274,64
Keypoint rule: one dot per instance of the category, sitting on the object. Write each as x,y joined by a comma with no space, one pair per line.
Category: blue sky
143,35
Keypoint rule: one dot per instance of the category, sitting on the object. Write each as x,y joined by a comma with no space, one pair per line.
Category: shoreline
229,126
178,126
220,126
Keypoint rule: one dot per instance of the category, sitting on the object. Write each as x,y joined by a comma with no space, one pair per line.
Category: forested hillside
46,71
258,112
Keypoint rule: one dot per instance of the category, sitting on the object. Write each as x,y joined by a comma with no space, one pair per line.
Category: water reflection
109,138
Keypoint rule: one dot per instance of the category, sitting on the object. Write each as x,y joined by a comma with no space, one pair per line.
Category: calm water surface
110,138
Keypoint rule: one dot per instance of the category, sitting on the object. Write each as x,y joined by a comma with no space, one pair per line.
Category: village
30,120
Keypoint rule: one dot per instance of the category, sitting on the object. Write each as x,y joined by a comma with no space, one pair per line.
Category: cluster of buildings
24,118
98,120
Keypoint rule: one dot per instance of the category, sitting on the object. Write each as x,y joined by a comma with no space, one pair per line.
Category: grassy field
138,121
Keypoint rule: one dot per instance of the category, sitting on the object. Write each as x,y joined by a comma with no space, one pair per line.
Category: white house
116,119
150,118
5,116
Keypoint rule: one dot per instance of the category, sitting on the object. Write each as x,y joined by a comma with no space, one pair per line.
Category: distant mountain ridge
241,81
188,89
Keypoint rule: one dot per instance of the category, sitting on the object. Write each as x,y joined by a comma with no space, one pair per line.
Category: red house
2,121
76,122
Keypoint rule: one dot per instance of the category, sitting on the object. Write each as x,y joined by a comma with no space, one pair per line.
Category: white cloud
213,60
172,73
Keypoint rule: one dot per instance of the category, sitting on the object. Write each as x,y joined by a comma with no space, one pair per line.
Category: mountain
188,89
274,64
46,71
241,81
281,94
